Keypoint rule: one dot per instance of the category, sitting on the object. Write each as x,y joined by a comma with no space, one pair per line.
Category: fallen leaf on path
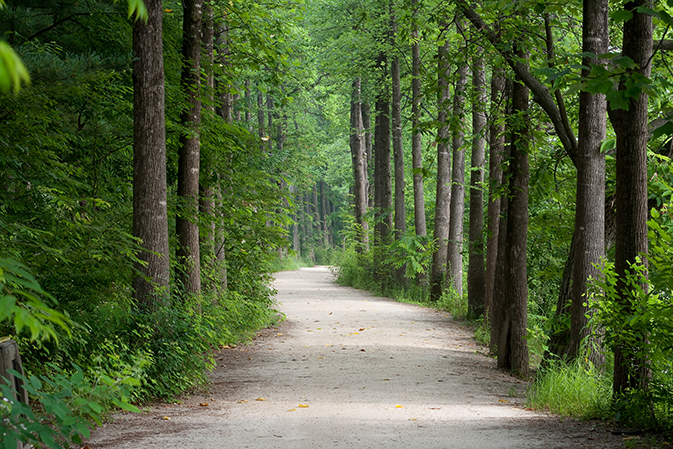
434,408
329,313
386,379
503,400
362,329
166,417
260,399
242,401
321,357
362,350
302,405
292,410
399,406
280,334
309,330
204,404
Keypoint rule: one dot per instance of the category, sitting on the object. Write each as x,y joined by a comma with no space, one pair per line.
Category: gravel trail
352,370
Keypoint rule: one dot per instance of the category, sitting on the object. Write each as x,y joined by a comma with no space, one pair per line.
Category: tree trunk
261,129
443,197
513,345
454,258
296,246
476,274
631,365
589,238
323,213
189,152
495,160
416,148
358,158
370,166
150,215
383,179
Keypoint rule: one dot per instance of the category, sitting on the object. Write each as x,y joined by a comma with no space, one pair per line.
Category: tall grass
577,389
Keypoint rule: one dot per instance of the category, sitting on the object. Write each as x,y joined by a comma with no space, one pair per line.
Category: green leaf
621,15
138,8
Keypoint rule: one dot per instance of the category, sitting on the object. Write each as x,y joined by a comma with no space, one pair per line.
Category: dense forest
506,161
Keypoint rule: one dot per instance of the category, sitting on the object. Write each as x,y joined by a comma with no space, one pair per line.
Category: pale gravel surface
373,373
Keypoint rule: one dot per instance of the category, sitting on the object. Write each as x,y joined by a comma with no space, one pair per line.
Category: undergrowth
578,390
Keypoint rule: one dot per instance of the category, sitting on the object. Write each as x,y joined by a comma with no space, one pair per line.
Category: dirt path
350,370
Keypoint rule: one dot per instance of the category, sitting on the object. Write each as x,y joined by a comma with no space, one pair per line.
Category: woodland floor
352,370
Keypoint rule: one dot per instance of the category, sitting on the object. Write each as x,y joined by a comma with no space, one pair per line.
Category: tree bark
369,151
150,215
476,274
454,258
513,345
495,160
383,176
631,366
189,152
589,238
443,196
416,148
359,158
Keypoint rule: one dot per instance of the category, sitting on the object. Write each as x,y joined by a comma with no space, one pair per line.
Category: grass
577,390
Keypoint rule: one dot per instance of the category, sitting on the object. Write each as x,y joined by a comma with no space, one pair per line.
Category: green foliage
69,402
578,390
412,252
22,306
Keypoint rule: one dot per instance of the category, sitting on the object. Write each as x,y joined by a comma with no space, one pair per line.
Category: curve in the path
351,370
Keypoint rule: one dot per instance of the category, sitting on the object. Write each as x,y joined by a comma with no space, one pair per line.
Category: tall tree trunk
398,152
370,166
150,215
476,274
261,128
443,197
513,345
383,176
189,153
589,238
631,365
495,160
454,258
358,158
323,214
317,224
207,216
248,106
416,148
225,102
296,246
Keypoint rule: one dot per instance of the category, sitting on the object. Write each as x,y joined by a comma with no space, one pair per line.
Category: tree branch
541,94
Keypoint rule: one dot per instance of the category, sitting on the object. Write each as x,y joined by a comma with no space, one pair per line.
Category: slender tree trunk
476,274
261,128
370,166
358,157
296,246
398,149
513,345
323,213
416,148
189,152
150,215
208,217
454,259
589,238
225,103
317,224
495,160
248,106
631,365
443,197
383,176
